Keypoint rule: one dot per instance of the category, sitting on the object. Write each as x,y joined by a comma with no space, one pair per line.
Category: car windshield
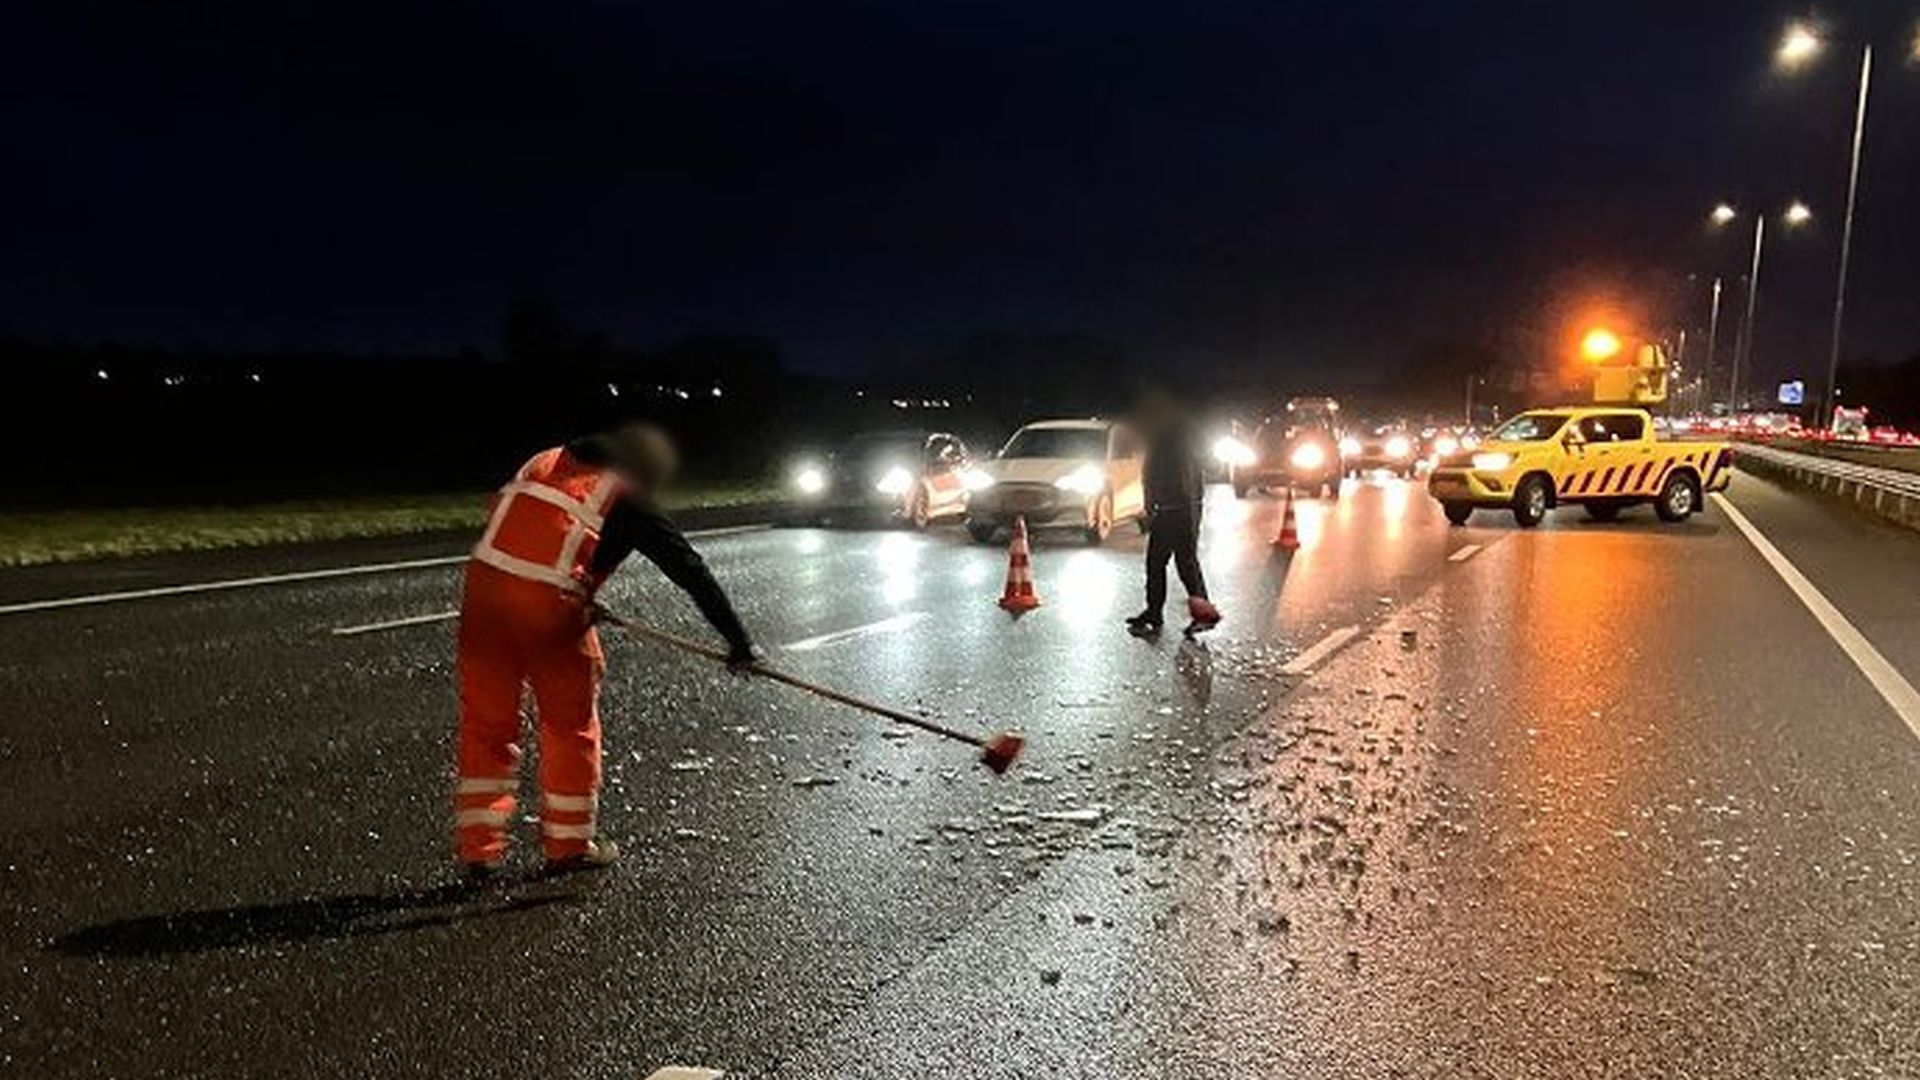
1049,442
888,446
1530,427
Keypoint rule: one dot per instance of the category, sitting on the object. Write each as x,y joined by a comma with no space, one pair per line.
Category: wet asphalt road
1593,800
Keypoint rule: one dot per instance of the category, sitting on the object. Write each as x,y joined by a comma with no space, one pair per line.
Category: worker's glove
744,658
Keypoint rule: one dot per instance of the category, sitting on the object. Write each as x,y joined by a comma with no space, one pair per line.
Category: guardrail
1893,494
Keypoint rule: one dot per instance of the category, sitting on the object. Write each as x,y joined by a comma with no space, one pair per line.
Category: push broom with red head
997,751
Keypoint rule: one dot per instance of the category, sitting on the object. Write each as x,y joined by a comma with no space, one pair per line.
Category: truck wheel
981,531
1679,498
1457,512
1530,501
1603,511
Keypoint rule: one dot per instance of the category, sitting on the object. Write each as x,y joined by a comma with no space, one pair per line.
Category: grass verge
34,537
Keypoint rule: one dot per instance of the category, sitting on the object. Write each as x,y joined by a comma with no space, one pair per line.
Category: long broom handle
641,630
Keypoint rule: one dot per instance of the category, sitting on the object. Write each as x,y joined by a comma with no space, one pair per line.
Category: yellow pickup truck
1604,459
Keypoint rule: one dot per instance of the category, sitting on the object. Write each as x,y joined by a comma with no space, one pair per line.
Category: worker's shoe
1205,616
1145,624
600,854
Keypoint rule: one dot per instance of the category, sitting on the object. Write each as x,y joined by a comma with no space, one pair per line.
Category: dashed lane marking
280,579
1319,650
684,1072
1894,688
1466,552
897,622
395,624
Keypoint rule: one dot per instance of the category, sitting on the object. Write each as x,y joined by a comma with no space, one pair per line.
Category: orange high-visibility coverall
525,620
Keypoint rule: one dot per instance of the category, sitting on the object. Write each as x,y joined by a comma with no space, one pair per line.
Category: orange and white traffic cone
1019,595
1289,538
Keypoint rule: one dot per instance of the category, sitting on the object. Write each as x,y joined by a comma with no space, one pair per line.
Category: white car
1060,474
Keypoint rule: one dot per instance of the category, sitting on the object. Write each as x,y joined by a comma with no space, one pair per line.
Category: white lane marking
897,622
1898,693
683,1072
395,624
286,578
1465,553
1319,651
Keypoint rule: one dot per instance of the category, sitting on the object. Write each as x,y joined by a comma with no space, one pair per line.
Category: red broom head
999,751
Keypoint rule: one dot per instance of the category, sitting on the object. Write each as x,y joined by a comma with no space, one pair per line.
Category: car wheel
1679,498
981,531
1100,523
1603,511
1240,491
1457,512
1530,501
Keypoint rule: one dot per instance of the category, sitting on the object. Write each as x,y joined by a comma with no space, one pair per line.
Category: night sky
1253,186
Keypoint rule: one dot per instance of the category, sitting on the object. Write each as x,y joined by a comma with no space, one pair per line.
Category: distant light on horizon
1798,214
1723,213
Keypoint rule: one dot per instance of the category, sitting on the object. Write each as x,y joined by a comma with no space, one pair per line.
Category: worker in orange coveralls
557,531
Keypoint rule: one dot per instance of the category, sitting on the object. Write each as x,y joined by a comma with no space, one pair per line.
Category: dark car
912,477
1296,450
1390,446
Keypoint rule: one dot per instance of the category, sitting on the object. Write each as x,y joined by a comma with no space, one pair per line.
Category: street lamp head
1722,214
1798,214
1799,45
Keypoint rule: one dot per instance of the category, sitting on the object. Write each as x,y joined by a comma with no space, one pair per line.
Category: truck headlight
1398,447
1307,456
1493,462
1231,451
810,479
1085,480
894,481
976,480
1349,447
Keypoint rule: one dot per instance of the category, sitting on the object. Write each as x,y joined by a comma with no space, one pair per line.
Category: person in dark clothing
1174,489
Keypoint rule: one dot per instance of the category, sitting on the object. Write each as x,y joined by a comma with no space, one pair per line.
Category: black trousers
1175,535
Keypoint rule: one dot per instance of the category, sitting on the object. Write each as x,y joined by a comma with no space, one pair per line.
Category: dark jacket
1171,475
634,524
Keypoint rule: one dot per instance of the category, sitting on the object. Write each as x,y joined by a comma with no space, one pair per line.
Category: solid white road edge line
395,624
1464,553
1320,650
1894,688
897,622
287,578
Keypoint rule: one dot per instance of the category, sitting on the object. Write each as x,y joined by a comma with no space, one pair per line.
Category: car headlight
1445,445
894,481
977,480
810,479
1085,480
1493,462
1307,456
1349,447
1231,451
1398,447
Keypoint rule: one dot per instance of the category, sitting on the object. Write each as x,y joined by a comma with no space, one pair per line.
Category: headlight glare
810,479
976,480
1399,446
1085,480
895,481
1231,451
1492,462
1307,456
1349,447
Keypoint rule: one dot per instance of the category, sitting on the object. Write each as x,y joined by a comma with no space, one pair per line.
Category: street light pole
1713,329
1743,343
1846,231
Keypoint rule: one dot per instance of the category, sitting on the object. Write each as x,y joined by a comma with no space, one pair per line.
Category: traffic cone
1289,538
1019,595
